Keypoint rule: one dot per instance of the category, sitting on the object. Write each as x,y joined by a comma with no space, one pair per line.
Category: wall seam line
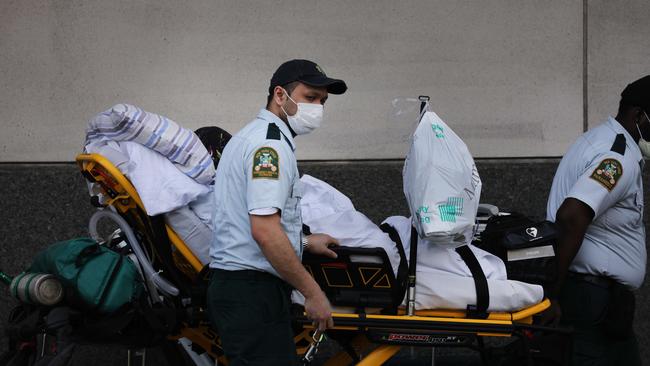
585,65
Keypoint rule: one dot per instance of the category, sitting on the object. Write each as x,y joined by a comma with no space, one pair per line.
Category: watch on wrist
305,242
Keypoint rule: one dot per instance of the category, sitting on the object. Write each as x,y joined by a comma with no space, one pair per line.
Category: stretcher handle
424,101
410,288
413,261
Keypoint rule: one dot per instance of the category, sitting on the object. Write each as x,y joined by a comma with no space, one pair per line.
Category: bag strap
86,253
402,269
480,282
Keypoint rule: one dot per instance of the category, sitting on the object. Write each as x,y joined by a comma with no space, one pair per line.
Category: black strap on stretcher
406,272
403,268
413,261
480,283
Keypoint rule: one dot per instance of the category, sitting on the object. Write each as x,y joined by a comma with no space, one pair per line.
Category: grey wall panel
506,74
619,52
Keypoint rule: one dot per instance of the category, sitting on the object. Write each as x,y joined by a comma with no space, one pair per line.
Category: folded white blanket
125,122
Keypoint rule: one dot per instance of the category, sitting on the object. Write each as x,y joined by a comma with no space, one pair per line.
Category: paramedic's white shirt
238,192
614,245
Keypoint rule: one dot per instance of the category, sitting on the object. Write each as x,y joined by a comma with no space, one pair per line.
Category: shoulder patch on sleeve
608,173
266,163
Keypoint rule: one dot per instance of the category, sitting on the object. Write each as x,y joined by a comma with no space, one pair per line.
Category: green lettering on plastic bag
451,209
437,129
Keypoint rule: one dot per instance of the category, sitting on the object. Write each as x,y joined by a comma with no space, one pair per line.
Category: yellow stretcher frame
124,197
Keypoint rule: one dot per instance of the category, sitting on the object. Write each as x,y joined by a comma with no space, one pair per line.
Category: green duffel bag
95,276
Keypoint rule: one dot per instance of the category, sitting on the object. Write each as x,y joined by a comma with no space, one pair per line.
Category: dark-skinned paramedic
597,201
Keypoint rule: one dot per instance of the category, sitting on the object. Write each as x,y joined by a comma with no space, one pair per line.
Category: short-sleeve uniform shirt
257,169
603,169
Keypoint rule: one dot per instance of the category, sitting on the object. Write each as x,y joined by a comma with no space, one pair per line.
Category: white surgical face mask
308,117
644,145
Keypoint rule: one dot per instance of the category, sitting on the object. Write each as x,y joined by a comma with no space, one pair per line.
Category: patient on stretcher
443,279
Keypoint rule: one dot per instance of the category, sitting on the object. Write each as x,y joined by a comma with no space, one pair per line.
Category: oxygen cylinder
35,288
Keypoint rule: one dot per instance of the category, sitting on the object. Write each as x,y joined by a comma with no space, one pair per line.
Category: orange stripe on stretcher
87,161
422,319
521,315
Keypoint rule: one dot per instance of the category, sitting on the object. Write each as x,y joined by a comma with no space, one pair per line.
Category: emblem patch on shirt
608,173
266,163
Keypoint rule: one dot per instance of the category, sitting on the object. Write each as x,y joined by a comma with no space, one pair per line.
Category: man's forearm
573,218
277,249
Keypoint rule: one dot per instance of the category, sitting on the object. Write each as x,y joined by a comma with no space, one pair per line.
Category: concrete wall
506,74
619,52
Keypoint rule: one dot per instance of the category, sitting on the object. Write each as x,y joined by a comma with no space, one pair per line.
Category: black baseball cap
306,72
637,94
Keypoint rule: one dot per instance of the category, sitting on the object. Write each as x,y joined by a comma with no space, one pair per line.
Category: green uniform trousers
584,307
251,312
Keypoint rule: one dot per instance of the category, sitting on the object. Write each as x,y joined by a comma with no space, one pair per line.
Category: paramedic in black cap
258,242
597,202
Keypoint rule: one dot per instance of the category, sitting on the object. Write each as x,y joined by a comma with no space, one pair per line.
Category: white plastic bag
441,183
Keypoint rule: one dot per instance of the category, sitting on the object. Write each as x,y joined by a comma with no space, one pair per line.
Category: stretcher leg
343,358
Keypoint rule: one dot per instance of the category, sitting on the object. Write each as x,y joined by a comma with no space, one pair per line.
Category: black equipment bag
350,280
527,248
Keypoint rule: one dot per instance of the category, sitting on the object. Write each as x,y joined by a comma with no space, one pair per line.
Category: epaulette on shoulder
273,132
619,144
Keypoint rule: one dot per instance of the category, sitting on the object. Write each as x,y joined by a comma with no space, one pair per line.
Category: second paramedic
258,243
597,201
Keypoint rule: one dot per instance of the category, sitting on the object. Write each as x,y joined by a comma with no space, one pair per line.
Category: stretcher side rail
125,199
494,327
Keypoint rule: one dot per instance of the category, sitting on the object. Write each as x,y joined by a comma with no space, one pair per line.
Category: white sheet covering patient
326,210
443,279
188,206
